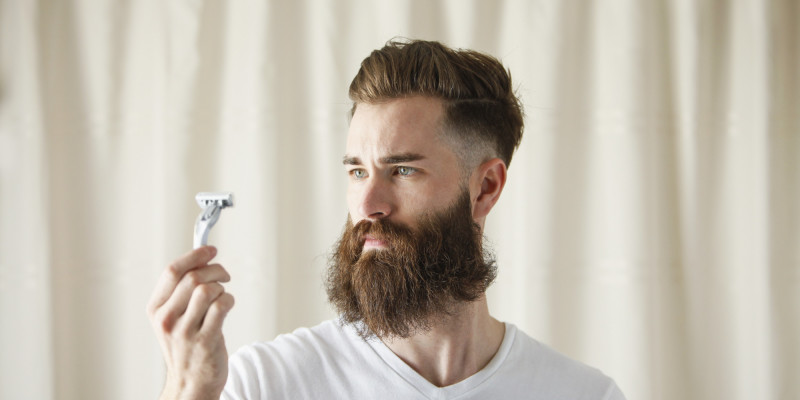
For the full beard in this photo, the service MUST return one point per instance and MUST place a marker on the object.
(422, 276)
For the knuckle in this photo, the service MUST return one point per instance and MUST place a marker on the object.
(165, 320)
(217, 310)
(194, 278)
(173, 271)
(150, 309)
(209, 291)
(204, 291)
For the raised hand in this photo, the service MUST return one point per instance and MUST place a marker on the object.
(187, 310)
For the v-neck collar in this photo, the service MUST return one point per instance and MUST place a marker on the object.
(455, 390)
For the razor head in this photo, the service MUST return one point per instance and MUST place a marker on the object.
(219, 199)
(212, 204)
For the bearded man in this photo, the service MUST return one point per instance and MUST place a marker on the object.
(431, 136)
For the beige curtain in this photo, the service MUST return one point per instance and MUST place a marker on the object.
(650, 226)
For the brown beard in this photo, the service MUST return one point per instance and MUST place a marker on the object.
(422, 275)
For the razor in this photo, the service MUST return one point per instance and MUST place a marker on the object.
(212, 204)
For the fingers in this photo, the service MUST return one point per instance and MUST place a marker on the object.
(173, 274)
(216, 314)
(192, 281)
(202, 297)
(189, 299)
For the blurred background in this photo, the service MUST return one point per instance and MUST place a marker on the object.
(649, 227)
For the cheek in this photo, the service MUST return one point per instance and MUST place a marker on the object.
(435, 197)
(418, 200)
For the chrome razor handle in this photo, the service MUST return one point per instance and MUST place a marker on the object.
(212, 204)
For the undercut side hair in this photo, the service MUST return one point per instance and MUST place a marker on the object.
(481, 110)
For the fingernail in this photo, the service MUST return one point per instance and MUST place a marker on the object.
(212, 251)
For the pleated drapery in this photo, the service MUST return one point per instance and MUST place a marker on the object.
(649, 227)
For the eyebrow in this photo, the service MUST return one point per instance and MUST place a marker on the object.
(390, 159)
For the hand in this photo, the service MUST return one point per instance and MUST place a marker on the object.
(187, 309)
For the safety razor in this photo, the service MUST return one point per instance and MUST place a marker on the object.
(212, 204)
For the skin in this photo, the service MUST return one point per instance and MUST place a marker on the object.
(187, 309)
(399, 167)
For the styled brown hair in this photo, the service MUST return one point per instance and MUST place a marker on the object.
(480, 108)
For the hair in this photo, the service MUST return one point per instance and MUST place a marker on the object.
(481, 110)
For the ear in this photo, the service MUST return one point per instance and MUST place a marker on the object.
(486, 184)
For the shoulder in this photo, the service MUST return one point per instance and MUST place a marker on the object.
(300, 346)
(555, 373)
(284, 366)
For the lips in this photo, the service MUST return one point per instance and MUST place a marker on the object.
(372, 242)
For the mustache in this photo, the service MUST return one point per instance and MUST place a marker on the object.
(384, 230)
(424, 274)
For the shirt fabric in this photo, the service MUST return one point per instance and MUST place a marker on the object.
(330, 361)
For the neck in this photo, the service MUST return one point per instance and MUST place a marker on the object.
(454, 349)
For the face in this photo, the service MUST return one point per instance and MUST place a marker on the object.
(398, 166)
(411, 252)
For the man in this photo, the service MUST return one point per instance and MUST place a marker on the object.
(431, 136)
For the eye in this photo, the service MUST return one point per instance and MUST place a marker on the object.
(405, 171)
(358, 173)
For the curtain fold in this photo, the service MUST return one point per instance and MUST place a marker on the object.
(649, 227)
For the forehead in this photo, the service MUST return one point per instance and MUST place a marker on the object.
(401, 125)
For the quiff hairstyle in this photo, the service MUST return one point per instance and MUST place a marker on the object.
(481, 110)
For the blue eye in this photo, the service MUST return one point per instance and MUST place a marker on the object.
(358, 173)
(405, 171)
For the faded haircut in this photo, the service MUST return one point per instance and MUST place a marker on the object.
(481, 111)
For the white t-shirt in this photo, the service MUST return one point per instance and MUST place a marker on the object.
(330, 361)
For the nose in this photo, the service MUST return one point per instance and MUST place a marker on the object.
(374, 200)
